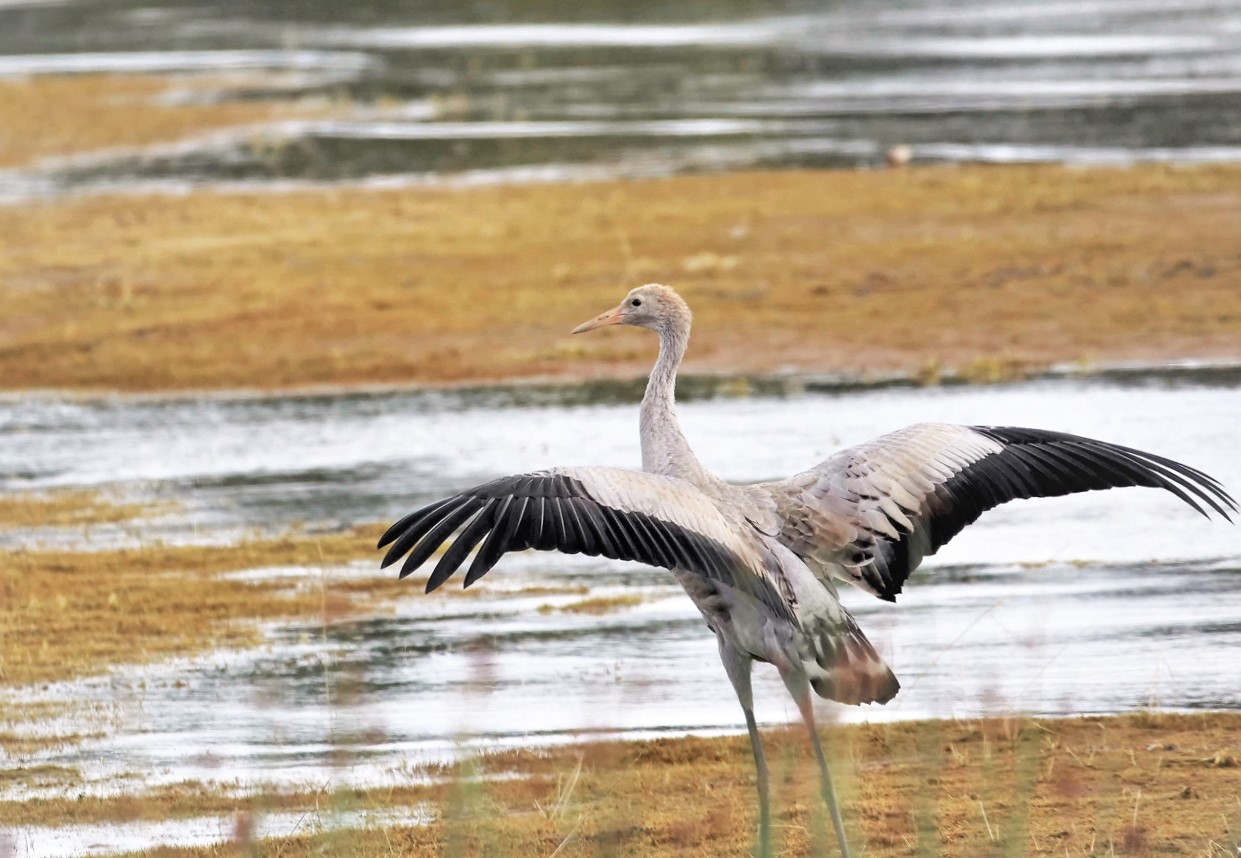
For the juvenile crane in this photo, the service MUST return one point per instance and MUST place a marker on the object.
(761, 561)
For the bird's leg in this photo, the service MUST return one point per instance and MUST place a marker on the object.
(738, 665)
(829, 793)
(799, 687)
(760, 766)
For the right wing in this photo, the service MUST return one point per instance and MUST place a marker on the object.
(873, 511)
(625, 515)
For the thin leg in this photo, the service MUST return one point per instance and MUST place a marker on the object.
(800, 689)
(764, 806)
(738, 667)
(829, 792)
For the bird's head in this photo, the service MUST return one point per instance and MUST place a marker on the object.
(652, 306)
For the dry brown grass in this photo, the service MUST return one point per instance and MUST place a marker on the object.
(1094, 786)
(982, 268)
(70, 507)
(46, 116)
(596, 604)
(67, 613)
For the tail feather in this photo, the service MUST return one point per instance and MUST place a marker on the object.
(842, 665)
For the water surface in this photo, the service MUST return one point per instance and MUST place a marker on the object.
(535, 91)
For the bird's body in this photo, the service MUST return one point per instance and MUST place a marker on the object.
(760, 561)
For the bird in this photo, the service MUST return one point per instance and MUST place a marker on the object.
(762, 561)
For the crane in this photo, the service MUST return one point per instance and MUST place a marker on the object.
(761, 561)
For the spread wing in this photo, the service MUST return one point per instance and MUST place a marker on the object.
(609, 512)
(870, 513)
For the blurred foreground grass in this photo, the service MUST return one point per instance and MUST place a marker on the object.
(1139, 785)
(986, 270)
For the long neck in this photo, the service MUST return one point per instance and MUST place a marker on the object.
(664, 448)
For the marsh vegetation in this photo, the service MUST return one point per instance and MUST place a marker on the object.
(198, 655)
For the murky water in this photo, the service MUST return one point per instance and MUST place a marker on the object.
(530, 91)
(1095, 603)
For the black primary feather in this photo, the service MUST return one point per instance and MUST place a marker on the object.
(1034, 463)
(550, 511)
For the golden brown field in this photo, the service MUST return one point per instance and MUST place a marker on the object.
(981, 269)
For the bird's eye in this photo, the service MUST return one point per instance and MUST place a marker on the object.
(636, 302)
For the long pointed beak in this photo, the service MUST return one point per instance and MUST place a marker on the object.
(611, 317)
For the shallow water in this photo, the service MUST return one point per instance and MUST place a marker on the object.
(531, 91)
(251, 461)
(1094, 603)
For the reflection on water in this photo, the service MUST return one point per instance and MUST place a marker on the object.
(535, 90)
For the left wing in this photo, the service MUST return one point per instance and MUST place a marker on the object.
(625, 515)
